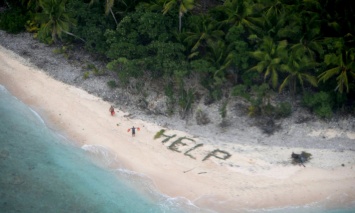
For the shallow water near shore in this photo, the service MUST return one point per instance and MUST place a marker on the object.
(41, 171)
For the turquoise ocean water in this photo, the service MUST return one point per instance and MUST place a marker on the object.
(41, 171)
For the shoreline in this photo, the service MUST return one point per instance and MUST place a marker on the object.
(253, 177)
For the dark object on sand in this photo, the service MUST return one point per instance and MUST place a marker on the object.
(300, 158)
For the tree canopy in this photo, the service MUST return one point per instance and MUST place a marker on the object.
(292, 46)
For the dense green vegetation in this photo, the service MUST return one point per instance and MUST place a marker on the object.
(245, 48)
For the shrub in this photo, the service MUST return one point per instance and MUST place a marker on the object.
(283, 109)
(241, 90)
(324, 111)
(169, 92)
(223, 110)
(112, 84)
(202, 117)
(258, 98)
(64, 50)
(216, 93)
(269, 126)
(86, 75)
(13, 20)
(320, 103)
(186, 98)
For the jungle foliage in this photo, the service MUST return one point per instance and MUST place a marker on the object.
(304, 48)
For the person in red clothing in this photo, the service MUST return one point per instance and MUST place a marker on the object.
(112, 110)
(133, 130)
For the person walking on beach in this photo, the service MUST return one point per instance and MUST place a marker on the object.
(133, 130)
(112, 110)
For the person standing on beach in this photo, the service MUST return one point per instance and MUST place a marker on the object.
(112, 110)
(133, 131)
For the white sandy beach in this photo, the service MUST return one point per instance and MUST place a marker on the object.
(252, 177)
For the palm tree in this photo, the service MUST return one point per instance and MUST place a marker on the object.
(108, 7)
(238, 13)
(297, 69)
(274, 7)
(109, 4)
(54, 20)
(204, 32)
(280, 25)
(220, 56)
(270, 57)
(344, 68)
(31, 3)
(184, 7)
(309, 39)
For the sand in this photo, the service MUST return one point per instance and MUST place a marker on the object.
(253, 176)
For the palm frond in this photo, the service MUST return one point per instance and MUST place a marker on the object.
(343, 81)
(284, 83)
(311, 79)
(328, 74)
(108, 6)
(274, 78)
